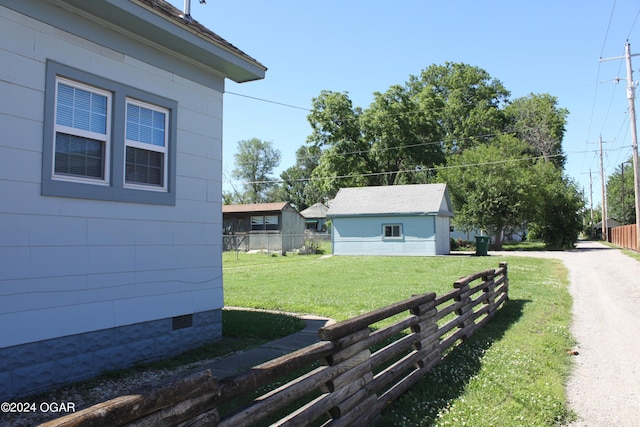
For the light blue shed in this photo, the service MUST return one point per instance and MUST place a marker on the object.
(403, 220)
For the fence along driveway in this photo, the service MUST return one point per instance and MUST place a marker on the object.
(347, 378)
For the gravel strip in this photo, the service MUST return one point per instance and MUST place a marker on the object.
(604, 388)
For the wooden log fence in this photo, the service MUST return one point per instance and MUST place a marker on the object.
(346, 379)
(625, 236)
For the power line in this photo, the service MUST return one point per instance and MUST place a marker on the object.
(613, 8)
(387, 114)
(418, 170)
(268, 101)
(634, 24)
(595, 92)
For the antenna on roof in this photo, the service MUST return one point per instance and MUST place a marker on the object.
(187, 8)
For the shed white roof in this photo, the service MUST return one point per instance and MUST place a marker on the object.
(416, 199)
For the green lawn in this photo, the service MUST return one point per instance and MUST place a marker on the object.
(512, 372)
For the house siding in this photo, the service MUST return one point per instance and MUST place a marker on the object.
(74, 269)
(443, 241)
(363, 236)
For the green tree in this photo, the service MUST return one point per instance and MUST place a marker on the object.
(491, 187)
(557, 218)
(400, 135)
(255, 162)
(464, 100)
(621, 193)
(538, 121)
(406, 130)
(336, 130)
(297, 186)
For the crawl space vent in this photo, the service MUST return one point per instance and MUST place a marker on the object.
(181, 322)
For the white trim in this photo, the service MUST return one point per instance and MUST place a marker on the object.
(104, 138)
(149, 147)
(400, 235)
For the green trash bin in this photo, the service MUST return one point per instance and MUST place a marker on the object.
(482, 245)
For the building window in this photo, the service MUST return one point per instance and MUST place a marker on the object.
(146, 142)
(81, 132)
(107, 141)
(392, 231)
(264, 222)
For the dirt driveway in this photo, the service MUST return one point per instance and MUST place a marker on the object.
(604, 389)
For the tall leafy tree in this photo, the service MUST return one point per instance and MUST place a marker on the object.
(621, 194)
(255, 161)
(336, 130)
(557, 217)
(401, 136)
(464, 100)
(538, 120)
(298, 187)
(491, 187)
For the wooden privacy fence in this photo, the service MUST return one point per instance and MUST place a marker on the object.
(625, 236)
(346, 379)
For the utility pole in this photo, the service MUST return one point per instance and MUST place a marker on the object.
(591, 202)
(624, 214)
(634, 136)
(605, 237)
(591, 224)
(631, 94)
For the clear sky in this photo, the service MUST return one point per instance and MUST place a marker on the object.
(361, 47)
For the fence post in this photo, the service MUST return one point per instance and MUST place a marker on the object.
(427, 330)
(465, 303)
(350, 349)
(490, 289)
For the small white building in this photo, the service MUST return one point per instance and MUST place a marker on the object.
(111, 186)
(407, 220)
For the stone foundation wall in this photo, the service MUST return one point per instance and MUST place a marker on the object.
(35, 367)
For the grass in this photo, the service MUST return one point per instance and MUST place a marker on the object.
(628, 252)
(512, 372)
(524, 246)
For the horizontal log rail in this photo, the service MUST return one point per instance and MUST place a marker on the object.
(346, 379)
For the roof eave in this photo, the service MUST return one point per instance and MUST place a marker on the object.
(137, 17)
(369, 214)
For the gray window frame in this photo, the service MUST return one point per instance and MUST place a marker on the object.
(115, 189)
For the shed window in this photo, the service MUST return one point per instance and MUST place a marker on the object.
(264, 222)
(392, 231)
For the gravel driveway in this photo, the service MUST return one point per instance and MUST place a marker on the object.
(604, 389)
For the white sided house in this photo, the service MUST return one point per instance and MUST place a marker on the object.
(110, 185)
(405, 220)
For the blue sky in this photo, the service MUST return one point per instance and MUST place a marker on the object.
(361, 47)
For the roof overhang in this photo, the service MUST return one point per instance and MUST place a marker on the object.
(177, 35)
(168, 31)
(388, 214)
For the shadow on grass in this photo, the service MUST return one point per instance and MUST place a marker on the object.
(447, 382)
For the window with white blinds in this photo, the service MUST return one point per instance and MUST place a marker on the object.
(146, 142)
(105, 140)
(81, 132)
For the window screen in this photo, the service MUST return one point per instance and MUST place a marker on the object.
(146, 140)
(81, 131)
